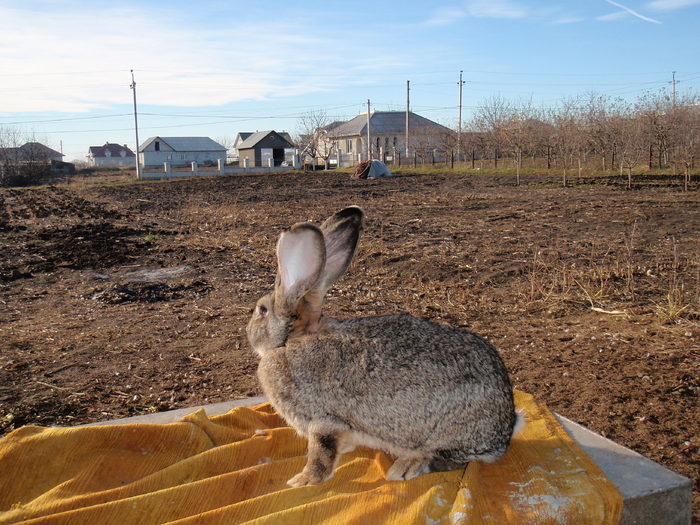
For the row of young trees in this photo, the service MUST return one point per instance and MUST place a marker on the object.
(591, 132)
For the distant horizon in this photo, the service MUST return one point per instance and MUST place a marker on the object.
(216, 70)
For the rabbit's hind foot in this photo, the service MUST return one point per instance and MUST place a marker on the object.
(407, 468)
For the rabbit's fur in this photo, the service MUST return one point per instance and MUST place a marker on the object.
(434, 396)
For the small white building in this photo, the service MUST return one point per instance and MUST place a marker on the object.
(180, 151)
(111, 155)
(240, 139)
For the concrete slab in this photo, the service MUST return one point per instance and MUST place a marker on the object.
(652, 494)
(172, 416)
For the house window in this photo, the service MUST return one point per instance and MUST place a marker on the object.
(348, 145)
(157, 145)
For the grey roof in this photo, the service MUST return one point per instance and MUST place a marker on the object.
(334, 125)
(384, 122)
(30, 151)
(256, 137)
(115, 150)
(187, 143)
(244, 135)
(286, 136)
(39, 149)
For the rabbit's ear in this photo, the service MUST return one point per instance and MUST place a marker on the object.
(341, 233)
(301, 257)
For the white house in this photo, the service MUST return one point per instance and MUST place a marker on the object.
(240, 139)
(387, 133)
(180, 151)
(110, 155)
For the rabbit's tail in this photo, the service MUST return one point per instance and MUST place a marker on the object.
(520, 423)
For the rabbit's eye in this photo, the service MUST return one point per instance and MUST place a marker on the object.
(262, 309)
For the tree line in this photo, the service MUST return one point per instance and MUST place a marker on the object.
(588, 132)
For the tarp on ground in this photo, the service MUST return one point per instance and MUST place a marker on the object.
(378, 170)
(375, 169)
(233, 468)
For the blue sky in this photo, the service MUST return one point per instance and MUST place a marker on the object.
(215, 68)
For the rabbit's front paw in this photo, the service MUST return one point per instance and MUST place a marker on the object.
(304, 478)
(408, 468)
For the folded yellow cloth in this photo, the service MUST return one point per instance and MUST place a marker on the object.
(233, 468)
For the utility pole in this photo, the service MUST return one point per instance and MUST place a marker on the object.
(408, 105)
(369, 138)
(136, 127)
(673, 90)
(459, 117)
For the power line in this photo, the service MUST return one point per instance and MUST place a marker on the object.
(63, 119)
(340, 77)
(237, 119)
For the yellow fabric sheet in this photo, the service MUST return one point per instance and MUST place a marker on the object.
(233, 468)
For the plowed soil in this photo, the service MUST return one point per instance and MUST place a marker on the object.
(121, 298)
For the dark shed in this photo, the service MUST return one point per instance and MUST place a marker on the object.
(252, 148)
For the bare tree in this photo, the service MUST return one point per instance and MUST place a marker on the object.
(434, 144)
(685, 135)
(446, 140)
(312, 138)
(22, 159)
(227, 142)
(541, 140)
(655, 111)
(630, 140)
(597, 112)
(10, 140)
(475, 141)
(518, 132)
(568, 139)
(490, 118)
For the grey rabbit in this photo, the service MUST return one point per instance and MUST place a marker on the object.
(433, 396)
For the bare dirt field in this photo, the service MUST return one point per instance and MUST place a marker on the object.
(591, 293)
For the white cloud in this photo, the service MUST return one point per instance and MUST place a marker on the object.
(495, 9)
(74, 60)
(568, 20)
(446, 15)
(503, 9)
(632, 12)
(611, 17)
(670, 5)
